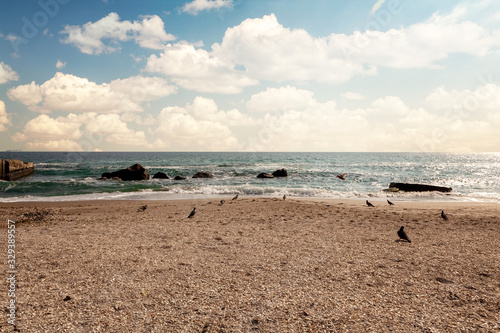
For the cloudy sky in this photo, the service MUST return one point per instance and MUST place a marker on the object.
(250, 75)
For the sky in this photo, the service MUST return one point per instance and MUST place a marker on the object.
(243, 75)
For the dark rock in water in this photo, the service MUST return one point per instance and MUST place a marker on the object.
(134, 172)
(265, 175)
(179, 178)
(160, 175)
(203, 175)
(280, 173)
(419, 187)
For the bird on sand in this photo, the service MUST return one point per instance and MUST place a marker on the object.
(142, 208)
(402, 235)
(443, 215)
(284, 196)
(192, 213)
(390, 203)
(369, 204)
(222, 201)
(342, 176)
(235, 197)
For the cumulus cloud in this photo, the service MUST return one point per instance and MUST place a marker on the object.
(420, 45)
(197, 126)
(148, 33)
(387, 124)
(262, 49)
(4, 117)
(69, 132)
(46, 129)
(7, 73)
(70, 93)
(197, 69)
(485, 98)
(281, 99)
(196, 6)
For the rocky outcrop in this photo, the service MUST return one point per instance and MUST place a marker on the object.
(14, 169)
(280, 173)
(179, 178)
(265, 175)
(203, 175)
(160, 175)
(134, 172)
(408, 187)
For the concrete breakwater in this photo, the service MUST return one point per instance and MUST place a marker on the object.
(14, 169)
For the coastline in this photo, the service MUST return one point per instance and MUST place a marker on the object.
(255, 263)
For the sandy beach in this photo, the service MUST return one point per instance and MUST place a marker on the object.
(253, 265)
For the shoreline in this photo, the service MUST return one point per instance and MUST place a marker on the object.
(254, 264)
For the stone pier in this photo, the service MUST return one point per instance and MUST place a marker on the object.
(14, 169)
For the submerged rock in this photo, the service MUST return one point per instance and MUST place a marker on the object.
(160, 175)
(265, 175)
(408, 187)
(179, 178)
(134, 172)
(203, 175)
(280, 173)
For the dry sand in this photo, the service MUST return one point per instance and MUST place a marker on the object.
(254, 265)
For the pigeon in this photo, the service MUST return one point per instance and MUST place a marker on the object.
(142, 208)
(222, 201)
(192, 213)
(342, 176)
(443, 215)
(369, 204)
(390, 203)
(235, 197)
(284, 196)
(402, 234)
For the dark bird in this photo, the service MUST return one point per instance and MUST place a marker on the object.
(443, 215)
(222, 201)
(284, 196)
(390, 203)
(235, 197)
(342, 176)
(142, 208)
(192, 213)
(402, 234)
(369, 204)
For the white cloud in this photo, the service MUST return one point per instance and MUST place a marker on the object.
(262, 49)
(7, 74)
(113, 129)
(70, 93)
(45, 129)
(485, 98)
(199, 70)
(198, 126)
(388, 124)
(60, 64)
(4, 117)
(281, 99)
(272, 52)
(64, 133)
(420, 45)
(148, 33)
(196, 6)
(352, 96)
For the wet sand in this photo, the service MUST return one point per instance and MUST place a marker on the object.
(254, 265)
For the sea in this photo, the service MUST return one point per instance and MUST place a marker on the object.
(68, 176)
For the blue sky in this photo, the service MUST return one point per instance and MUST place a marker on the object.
(236, 75)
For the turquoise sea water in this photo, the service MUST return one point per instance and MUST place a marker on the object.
(73, 176)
